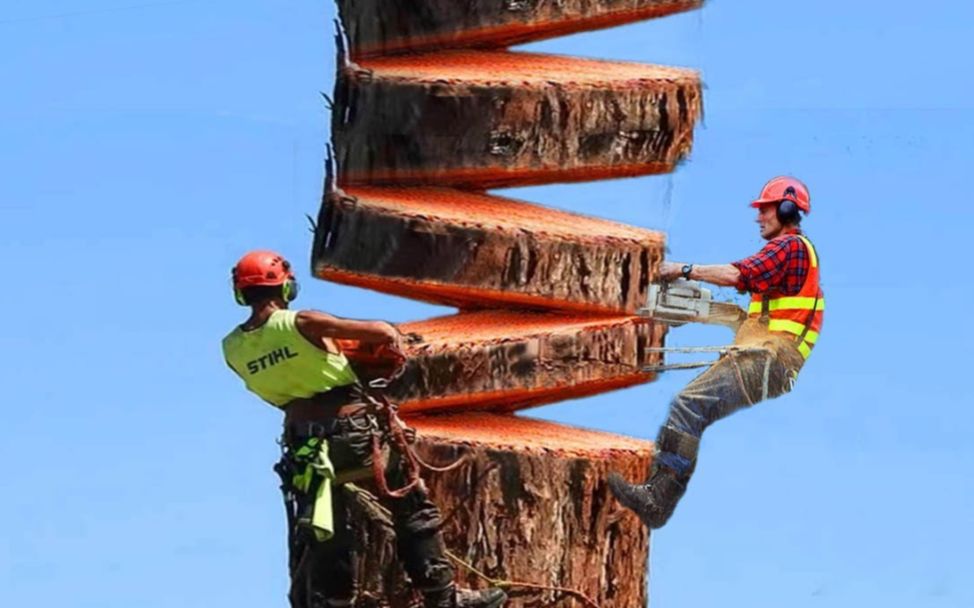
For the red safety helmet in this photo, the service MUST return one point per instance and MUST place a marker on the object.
(263, 268)
(784, 188)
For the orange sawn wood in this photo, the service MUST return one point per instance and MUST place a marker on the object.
(429, 25)
(506, 360)
(472, 250)
(524, 118)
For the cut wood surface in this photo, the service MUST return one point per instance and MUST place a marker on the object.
(507, 360)
(477, 119)
(476, 251)
(382, 26)
(528, 503)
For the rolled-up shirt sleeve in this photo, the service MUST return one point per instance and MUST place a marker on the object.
(781, 265)
(763, 271)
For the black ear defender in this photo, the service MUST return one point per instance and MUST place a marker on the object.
(788, 212)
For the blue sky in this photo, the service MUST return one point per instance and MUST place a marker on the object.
(146, 145)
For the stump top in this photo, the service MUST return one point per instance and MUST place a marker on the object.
(506, 431)
(518, 69)
(497, 213)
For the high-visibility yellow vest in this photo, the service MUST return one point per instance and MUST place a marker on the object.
(800, 315)
(280, 365)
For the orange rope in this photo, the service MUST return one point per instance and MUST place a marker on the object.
(396, 431)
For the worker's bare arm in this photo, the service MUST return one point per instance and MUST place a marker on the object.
(718, 274)
(315, 326)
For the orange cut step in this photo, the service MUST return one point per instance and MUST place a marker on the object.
(510, 360)
(523, 434)
(472, 250)
(482, 119)
(376, 27)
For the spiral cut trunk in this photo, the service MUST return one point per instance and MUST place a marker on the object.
(382, 26)
(508, 360)
(528, 503)
(486, 119)
(476, 251)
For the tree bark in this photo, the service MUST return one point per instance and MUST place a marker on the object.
(381, 27)
(477, 251)
(508, 360)
(479, 120)
(529, 503)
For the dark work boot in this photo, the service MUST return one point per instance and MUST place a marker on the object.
(452, 597)
(673, 464)
(653, 501)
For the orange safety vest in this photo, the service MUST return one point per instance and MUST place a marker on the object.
(800, 315)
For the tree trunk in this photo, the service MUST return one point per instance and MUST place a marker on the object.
(477, 251)
(529, 503)
(488, 119)
(381, 26)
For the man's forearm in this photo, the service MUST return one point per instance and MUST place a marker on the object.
(367, 331)
(316, 325)
(718, 274)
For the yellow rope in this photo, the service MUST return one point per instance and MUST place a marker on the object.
(506, 583)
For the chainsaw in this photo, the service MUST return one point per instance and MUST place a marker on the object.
(682, 301)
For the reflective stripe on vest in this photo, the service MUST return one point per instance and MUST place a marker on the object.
(787, 303)
(799, 315)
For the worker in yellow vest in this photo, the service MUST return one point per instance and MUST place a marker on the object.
(291, 360)
(784, 320)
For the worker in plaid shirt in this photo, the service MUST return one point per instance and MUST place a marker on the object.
(782, 326)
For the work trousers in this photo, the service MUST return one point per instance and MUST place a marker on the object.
(737, 380)
(323, 573)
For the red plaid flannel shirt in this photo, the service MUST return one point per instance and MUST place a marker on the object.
(780, 266)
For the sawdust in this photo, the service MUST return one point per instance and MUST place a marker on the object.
(753, 332)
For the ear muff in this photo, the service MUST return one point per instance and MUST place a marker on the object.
(290, 289)
(788, 212)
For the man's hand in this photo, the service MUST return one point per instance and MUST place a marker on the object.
(392, 335)
(669, 271)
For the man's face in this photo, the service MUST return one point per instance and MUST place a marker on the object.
(768, 221)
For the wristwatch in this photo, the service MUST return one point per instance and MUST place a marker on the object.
(686, 270)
